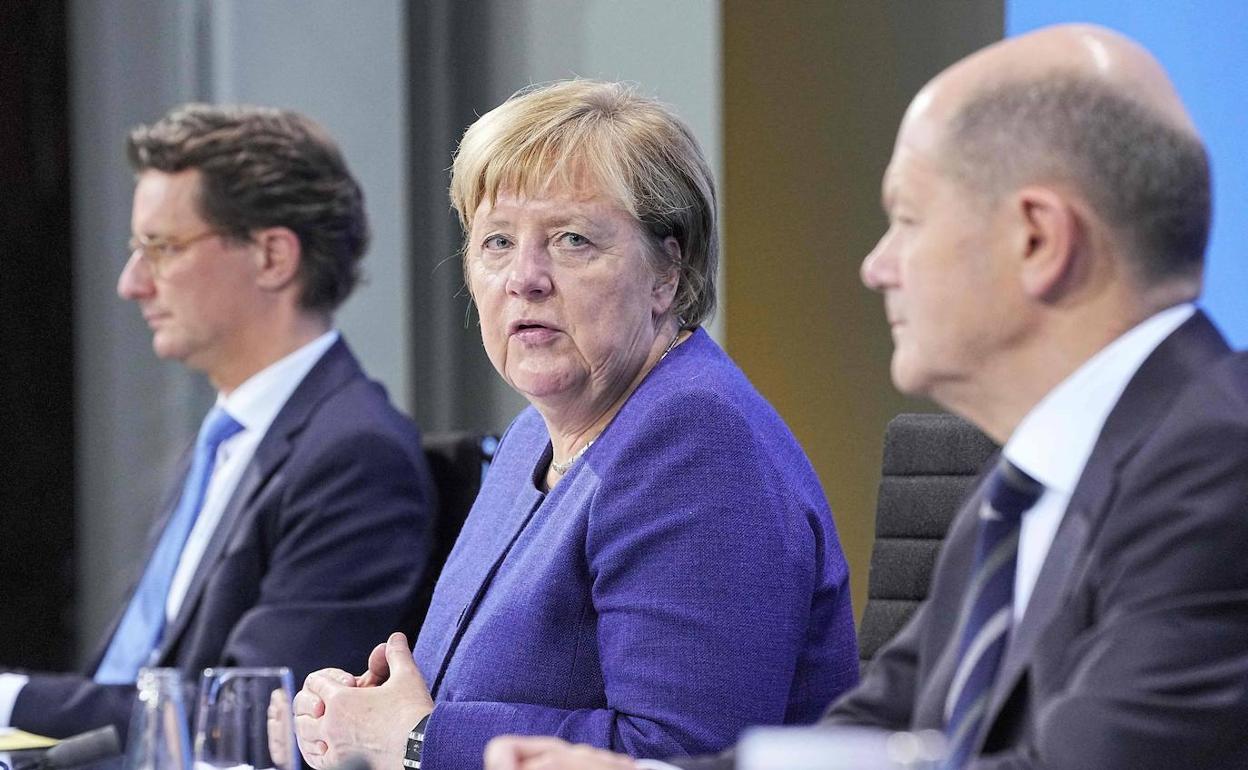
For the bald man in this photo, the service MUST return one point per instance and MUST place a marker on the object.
(1048, 204)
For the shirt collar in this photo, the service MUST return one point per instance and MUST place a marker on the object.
(1054, 440)
(257, 401)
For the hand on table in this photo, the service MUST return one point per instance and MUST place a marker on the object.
(518, 752)
(338, 715)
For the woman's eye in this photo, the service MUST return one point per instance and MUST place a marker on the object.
(575, 240)
(496, 242)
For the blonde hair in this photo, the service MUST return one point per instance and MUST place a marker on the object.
(633, 147)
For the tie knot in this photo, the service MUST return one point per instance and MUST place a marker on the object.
(1011, 492)
(218, 426)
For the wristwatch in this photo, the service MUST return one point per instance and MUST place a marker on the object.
(416, 744)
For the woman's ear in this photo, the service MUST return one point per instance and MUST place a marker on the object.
(666, 281)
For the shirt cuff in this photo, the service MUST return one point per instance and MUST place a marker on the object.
(10, 686)
(654, 764)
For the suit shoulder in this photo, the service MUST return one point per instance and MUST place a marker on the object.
(1213, 406)
(361, 406)
(1191, 471)
(1225, 385)
(704, 389)
(354, 425)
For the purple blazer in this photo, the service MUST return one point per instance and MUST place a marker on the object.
(683, 581)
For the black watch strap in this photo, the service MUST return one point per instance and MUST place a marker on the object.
(416, 744)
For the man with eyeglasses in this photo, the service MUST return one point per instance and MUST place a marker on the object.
(298, 530)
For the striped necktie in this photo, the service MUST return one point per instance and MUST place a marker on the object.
(988, 611)
(143, 623)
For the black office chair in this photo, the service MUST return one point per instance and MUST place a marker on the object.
(458, 462)
(930, 463)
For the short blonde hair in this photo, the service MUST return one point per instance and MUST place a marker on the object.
(634, 147)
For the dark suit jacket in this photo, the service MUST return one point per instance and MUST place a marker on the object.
(319, 554)
(1133, 650)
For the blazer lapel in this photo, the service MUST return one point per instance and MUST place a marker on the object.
(483, 567)
(331, 372)
(254, 477)
(1160, 379)
(1065, 552)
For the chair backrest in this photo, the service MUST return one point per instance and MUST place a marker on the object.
(930, 463)
(458, 462)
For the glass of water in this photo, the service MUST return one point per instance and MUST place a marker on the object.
(158, 737)
(244, 720)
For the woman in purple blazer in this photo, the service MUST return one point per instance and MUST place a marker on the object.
(651, 564)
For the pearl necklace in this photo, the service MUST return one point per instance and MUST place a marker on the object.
(562, 468)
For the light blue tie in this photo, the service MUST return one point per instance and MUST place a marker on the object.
(141, 626)
(989, 609)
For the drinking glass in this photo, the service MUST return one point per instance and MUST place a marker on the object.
(235, 726)
(158, 738)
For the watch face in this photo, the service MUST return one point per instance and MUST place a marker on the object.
(415, 744)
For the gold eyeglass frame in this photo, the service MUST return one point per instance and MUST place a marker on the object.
(157, 252)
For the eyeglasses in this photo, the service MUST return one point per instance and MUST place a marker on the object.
(157, 252)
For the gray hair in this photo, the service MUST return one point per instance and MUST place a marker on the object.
(1147, 178)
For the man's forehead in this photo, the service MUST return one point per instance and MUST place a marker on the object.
(162, 198)
(152, 182)
(915, 160)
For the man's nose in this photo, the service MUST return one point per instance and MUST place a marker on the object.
(135, 281)
(879, 267)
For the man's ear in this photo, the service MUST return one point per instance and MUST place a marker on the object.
(279, 256)
(665, 283)
(1047, 240)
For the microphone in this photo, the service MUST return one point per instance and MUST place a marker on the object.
(82, 749)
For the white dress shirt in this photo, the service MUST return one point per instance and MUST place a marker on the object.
(254, 404)
(1054, 440)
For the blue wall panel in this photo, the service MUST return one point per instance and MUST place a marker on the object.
(1204, 46)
